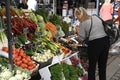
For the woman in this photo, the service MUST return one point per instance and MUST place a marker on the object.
(106, 12)
(98, 45)
(23, 5)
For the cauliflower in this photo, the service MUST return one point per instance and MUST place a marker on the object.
(6, 74)
(18, 71)
(25, 75)
(19, 77)
(13, 78)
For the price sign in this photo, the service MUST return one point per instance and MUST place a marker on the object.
(15, 39)
(39, 33)
(25, 30)
(57, 52)
(38, 43)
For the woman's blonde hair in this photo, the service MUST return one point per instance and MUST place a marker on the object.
(82, 12)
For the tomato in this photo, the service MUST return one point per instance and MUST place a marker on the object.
(18, 63)
(34, 65)
(30, 67)
(18, 58)
(21, 51)
(24, 56)
(21, 54)
(23, 65)
(24, 61)
(28, 58)
(17, 50)
(15, 55)
(30, 63)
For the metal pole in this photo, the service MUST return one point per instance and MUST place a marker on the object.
(54, 7)
(9, 34)
(97, 7)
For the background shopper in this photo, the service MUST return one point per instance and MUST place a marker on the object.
(118, 18)
(106, 12)
(98, 45)
(23, 5)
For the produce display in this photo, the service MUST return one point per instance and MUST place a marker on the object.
(33, 43)
(72, 73)
(2, 33)
(21, 59)
(16, 74)
(40, 58)
(69, 72)
(56, 72)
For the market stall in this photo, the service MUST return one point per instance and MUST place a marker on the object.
(35, 41)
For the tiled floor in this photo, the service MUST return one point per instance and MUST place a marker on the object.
(113, 68)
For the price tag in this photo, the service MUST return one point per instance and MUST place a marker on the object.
(15, 39)
(38, 43)
(39, 33)
(25, 30)
(57, 52)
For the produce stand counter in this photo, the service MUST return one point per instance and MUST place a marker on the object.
(32, 40)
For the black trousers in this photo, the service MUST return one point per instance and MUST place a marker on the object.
(98, 53)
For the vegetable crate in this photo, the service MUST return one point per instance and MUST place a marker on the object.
(60, 68)
(35, 70)
(84, 61)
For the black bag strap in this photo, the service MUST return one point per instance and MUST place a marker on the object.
(99, 18)
(89, 30)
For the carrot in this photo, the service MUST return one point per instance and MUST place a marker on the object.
(50, 26)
